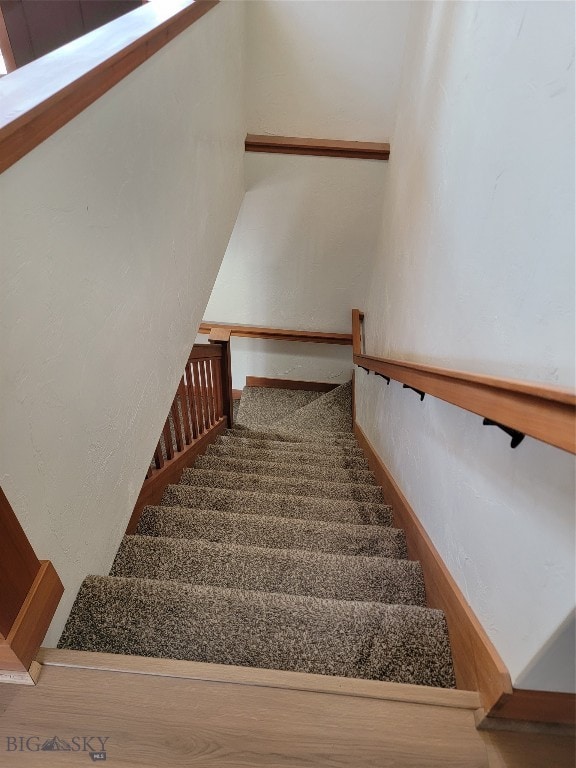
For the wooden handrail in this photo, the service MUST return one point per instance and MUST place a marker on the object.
(278, 334)
(30, 591)
(292, 145)
(38, 99)
(542, 411)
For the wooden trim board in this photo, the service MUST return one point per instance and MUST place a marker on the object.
(308, 386)
(153, 488)
(534, 706)
(477, 663)
(269, 678)
(278, 334)
(21, 644)
(48, 93)
(292, 145)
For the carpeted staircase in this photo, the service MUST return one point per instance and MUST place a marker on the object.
(276, 550)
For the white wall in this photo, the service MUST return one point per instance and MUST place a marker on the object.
(475, 271)
(112, 232)
(324, 69)
(308, 226)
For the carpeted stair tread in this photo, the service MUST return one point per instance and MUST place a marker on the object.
(262, 503)
(295, 486)
(290, 571)
(336, 438)
(298, 446)
(281, 469)
(318, 458)
(327, 414)
(260, 406)
(269, 531)
(167, 619)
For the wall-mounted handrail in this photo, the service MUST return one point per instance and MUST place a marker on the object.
(38, 99)
(200, 410)
(278, 334)
(542, 411)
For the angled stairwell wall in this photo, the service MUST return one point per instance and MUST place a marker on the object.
(475, 271)
(308, 226)
(112, 232)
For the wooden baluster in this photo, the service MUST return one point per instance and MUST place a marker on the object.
(198, 397)
(192, 400)
(168, 442)
(158, 457)
(177, 421)
(204, 395)
(185, 409)
(218, 387)
(211, 390)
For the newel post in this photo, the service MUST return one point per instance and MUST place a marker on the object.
(221, 336)
(30, 591)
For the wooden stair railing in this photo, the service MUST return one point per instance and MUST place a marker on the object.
(30, 591)
(542, 411)
(200, 411)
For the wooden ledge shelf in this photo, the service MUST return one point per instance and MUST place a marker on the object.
(38, 99)
(292, 145)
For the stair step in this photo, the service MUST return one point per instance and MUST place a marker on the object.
(281, 505)
(268, 531)
(288, 457)
(281, 469)
(351, 449)
(333, 438)
(294, 486)
(167, 619)
(290, 571)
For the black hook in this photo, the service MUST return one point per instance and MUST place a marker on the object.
(364, 369)
(419, 391)
(384, 377)
(516, 436)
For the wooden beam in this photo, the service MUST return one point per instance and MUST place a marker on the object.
(47, 94)
(278, 334)
(292, 145)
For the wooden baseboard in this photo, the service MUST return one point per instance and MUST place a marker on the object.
(18, 649)
(153, 488)
(477, 663)
(534, 706)
(309, 386)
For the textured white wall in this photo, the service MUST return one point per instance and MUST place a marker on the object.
(324, 69)
(475, 271)
(112, 232)
(308, 226)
